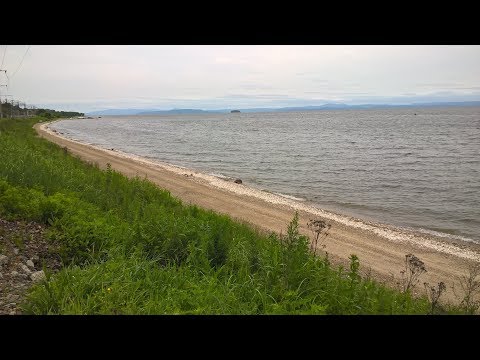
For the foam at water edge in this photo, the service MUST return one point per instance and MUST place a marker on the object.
(445, 235)
(221, 176)
(290, 197)
(388, 232)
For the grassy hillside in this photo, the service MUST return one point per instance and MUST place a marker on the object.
(129, 247)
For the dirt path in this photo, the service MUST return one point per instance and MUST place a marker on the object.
(382, 257)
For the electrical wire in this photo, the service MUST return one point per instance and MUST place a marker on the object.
(4, 52)
(21, 62)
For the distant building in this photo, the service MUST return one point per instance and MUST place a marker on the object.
(235, 111)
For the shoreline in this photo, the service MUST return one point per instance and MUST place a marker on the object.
(421, 237)
(380, 247)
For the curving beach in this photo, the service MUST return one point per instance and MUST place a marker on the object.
(381, 248)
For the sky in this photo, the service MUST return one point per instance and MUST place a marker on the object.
(97, 77)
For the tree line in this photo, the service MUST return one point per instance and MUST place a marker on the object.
(15, 110)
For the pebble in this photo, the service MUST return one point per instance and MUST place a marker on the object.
(12, 297)
(18, 267)
(25, 269)
(37, 276)
(16, 274)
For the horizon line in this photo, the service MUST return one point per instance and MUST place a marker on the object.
(429, 103)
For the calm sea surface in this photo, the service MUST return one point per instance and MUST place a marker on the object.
(392, 166)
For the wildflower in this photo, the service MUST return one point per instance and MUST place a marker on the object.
(414, 267)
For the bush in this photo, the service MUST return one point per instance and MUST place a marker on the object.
(17, 202)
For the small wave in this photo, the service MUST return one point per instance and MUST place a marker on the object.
(392, 186)
(446, 235)
(220, 176)
(289, 196)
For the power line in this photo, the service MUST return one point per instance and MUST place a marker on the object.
(1, 66)
(21, 62)
(4, 52)
(17, 104)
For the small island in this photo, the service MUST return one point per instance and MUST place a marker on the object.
(235, 111)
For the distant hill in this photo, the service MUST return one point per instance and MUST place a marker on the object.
(174, 111)
(340, 106)
(117, 112)
(333, 106)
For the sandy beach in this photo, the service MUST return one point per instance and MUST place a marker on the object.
(381, 248)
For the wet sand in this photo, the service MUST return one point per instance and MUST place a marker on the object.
(381, 248)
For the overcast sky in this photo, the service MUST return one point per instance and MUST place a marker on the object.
(88, 78)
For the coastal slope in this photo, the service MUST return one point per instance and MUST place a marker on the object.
(381, 250)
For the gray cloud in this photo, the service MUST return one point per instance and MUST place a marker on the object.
(319, 81)
(439, 85)
(88, 77)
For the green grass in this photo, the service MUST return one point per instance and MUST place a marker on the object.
(131, 248)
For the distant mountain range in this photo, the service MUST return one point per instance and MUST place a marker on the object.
(333, 106)
(175, 111)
